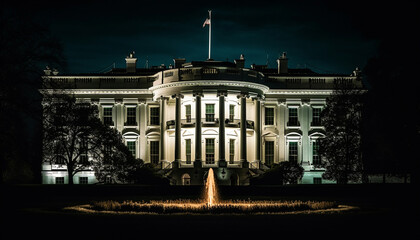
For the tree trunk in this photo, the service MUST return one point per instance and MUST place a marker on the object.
(70, 174)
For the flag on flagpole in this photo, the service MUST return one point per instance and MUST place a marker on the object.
(207, 22)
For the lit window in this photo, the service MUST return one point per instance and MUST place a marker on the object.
(231, 151)
(269, 152)
(108, 116)
(316, 159)
(210, 151)
(269, 116)
(316, 116)
(131, 116)
(188, 150)
(188, 113)
(154, 152)
(59, 180)
(293, 151)
(231, 112)
(154, 116)
(209, 112)
(293, 117)
(317, 180)
(83, 180)
(132, 147)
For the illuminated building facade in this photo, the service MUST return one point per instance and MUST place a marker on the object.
(198, 115)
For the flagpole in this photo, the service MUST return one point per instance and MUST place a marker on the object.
(210, 34)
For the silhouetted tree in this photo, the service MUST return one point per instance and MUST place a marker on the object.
(25, 49)
(74, 137)
(341, 147)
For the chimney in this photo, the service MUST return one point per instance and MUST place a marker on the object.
(282, 65)
(131, 63)
(240, 63)
(178, 62)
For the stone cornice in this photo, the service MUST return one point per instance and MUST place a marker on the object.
(299, 92)
(211, 83)
(101, 91)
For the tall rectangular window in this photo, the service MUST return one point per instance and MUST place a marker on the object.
(269, 116)
(232, 151)
(316, 116)
(209, 112)
(108, 116)
(154, 152)
(131, 116)
(293, 151)
(210, 151)
(231, 112)
(154, 116)
(132, 147)
(188, 113)
(316, 159)
(188, 150)
(269, 152)
(293, 117)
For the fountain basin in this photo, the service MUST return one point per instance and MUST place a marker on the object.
(223, 207)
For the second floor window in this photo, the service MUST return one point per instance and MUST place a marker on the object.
(293, 117)
(131, 116)
(209, 112)
(269, 116)
(188, 113)
(316, 116)
(231, 112)
(108, 116)
(154, 116)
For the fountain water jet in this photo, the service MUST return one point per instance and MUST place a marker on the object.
(211, 190)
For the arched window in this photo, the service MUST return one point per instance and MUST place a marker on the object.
(186, 179)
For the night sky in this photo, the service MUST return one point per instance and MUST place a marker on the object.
(326, 37)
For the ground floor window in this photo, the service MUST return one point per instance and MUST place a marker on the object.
(231, 151)
(83, 180)
(269, 152)
(154, 152)
(59, 180)
(132, 147)
(210, 151)
(316, 159)
(317, 180)
(188, 151)
(293, 151)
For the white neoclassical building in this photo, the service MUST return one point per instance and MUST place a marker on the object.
(198, 115)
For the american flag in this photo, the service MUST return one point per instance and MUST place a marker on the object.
(207, 22)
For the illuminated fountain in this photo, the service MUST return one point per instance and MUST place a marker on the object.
(211, 191)
(211, 204)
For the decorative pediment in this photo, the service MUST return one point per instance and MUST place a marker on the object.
(269, 134)
(315, 133)
(210, 132)
(293, 132)
(186, 133)
(130, 131)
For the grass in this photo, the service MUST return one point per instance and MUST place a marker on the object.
(198, 207)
